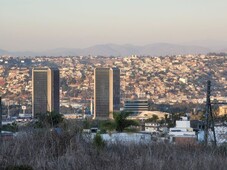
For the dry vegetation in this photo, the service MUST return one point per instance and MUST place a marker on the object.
(43, 149)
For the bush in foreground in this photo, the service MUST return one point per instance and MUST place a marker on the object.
(44, 150)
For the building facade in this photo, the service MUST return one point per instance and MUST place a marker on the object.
(136, 106)
(116, 89)
(106, 92)
(222, 110)
(45, 90)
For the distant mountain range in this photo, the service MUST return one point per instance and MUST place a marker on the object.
(158, 49)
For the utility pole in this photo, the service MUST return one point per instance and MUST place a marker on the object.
(209, 122)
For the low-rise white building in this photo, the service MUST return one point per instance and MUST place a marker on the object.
(152, 127)
(182, 131)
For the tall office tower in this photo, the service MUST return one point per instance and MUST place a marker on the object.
(106, 92)
(116, 89)
(45, 90)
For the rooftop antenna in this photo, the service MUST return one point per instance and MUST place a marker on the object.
(209, 122)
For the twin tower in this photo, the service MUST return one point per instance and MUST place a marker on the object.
(45, 91)
(106, 92)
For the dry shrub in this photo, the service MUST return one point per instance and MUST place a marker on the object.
(43, 149)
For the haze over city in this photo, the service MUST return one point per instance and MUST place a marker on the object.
(113, 84)
(48, 24)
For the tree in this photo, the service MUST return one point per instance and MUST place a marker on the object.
(54, 118)
(172, 122)
(49, 119)
(98, 142)
(154, 118)
(10, 127)
(108, 126)
(122, 122)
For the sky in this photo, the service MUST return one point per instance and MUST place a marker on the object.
(48, 24)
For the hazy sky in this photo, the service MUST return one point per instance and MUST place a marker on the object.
(47, 24)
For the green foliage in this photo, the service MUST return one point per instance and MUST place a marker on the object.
(10, 127)
(108, 125)
(172, 122)
(49, 119)
(131, 130)
(162, 121)
(154, 118)
(98, 142)
(122, 122)
(54, 118)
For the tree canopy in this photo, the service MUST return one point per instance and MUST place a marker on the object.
(49, 119)
(121, 121)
